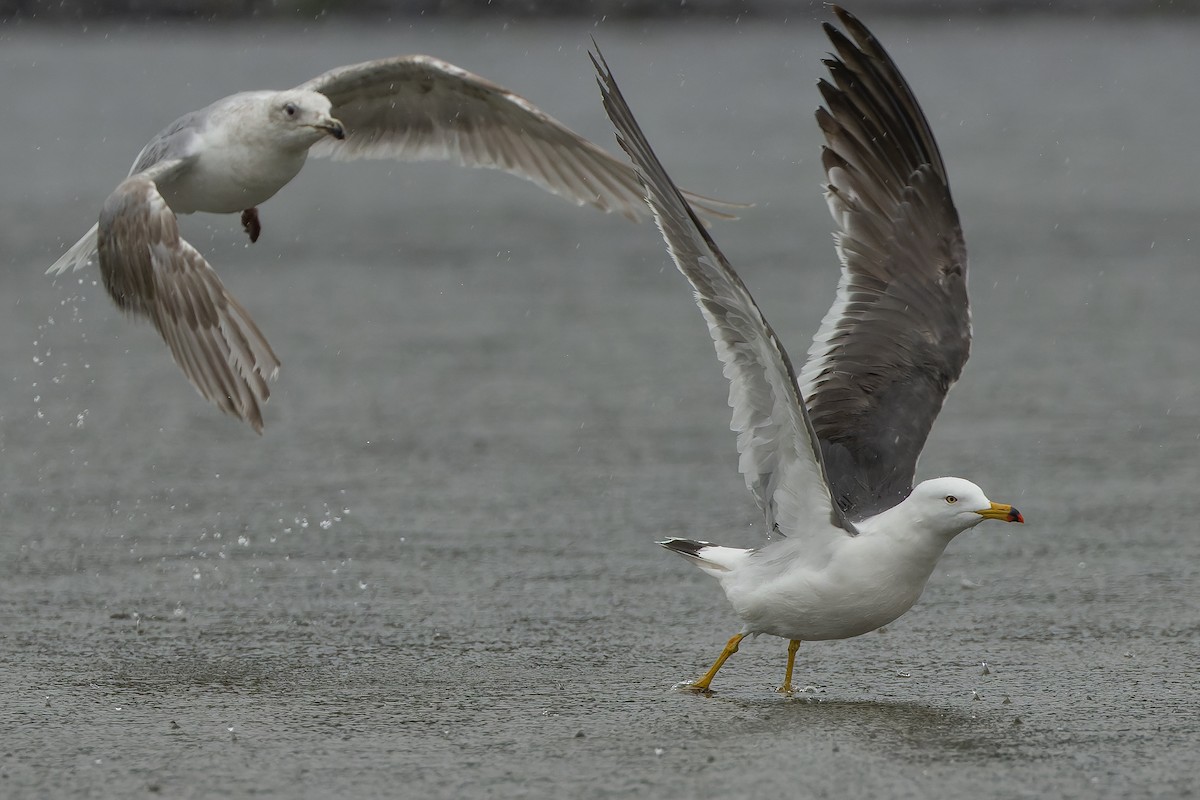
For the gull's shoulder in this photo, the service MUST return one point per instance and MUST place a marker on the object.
(179, 141)
(189, 134)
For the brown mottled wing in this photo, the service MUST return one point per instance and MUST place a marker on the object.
(417, 108)
(899, 330)
(151, 272)
(172, 151)
(780, 459)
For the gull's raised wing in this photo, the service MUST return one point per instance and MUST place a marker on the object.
(780, 459)
(899, 330)
(418, 108)
(150, 271)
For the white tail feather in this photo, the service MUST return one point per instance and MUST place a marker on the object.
(79, 256)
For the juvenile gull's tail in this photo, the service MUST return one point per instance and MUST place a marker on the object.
(79, 256)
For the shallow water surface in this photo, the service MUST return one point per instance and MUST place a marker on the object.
(435, 575)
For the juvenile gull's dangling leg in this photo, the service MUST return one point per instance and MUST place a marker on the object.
(251, 224)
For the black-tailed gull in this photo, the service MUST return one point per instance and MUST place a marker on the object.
(830, 454)
(242, 149)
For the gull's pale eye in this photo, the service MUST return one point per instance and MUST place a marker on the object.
(290, 109)
(951, 499)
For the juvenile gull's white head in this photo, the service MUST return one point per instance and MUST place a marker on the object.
(302, 117)
(290, 121)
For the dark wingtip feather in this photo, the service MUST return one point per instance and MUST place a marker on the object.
(854, 25)
(685, 547)
(902, 241)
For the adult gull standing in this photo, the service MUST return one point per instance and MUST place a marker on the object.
(830, 453)
(241, 150)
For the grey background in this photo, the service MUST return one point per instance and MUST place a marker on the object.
(435, 574)
(69, 12)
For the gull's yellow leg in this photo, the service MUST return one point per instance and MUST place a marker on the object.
(731, 647)
(793, 646)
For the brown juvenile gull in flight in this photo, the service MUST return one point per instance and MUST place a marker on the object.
(242, 149)
(830, 454)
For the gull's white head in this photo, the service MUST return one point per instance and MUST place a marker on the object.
(302, 117)
(950, 506)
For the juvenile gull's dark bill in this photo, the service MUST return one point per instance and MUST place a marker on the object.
(830, 454)
(238, 152)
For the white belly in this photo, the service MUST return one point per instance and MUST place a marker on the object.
(225, 180)
(865, 586)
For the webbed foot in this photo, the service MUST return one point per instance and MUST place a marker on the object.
(251, 224)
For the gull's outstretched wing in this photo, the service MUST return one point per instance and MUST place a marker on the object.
(780, 459)
(417, 108)
(150, 271)
(899, 330)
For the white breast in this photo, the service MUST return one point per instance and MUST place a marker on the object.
(865, 583)
(240, 162)
(225, 180)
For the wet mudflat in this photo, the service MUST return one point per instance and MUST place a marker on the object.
(435, 575)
